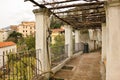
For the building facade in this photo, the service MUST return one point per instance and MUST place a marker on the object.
(4, 35)
(6, 48)
(56, 32)
(27, 28)
(14, 27)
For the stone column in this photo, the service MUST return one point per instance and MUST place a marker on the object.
(69, 39)
(42, 25)
(91, 34)
(77, 39)
(113, 53)
(103, 42)
(95, 38)
(99, 38)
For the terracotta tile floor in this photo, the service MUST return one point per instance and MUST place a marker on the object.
(86, 67)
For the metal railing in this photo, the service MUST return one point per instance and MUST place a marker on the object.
(19, 66)
(58, 54)
(25, 65)
(78, 47)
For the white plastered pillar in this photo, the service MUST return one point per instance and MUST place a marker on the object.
(104, 47)
(99, 38)
(69, 39)
(42, 24)
(95, 38)
(77, 39)
(113, 51)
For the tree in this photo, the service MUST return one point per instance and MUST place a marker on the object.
(30, 42)
(55, 23)
(14, 36)
(60, 40)
(58, 47)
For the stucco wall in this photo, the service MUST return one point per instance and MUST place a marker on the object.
(3, 35)
(6, 50)
(84, 37)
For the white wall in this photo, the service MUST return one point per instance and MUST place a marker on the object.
(3, 35)
(26, 29)
(113, 45)
(85, 38)
(6, 50)
(1, 39)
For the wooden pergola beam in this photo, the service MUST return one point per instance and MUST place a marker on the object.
(75, 20)
(77, 5)
(85, 15)
(59, 2)
(77, 10)
(43, 6)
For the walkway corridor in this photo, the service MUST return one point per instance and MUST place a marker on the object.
(85, 67)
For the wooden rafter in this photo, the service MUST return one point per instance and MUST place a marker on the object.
(82, 15)
(59, 2)
(81, 9)
(77, 5)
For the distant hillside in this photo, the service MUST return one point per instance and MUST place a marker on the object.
(8, 27)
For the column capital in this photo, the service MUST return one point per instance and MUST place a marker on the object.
(113, 3)
(42, 11)
(103, 24)
(68, 26)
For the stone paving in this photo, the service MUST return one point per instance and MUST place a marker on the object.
(85, 67)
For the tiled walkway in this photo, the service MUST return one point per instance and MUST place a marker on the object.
(86, 67)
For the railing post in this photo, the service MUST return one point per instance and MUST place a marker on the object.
(3, 66)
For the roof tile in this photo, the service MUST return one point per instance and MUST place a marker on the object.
(5, 44)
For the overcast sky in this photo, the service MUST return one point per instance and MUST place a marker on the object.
(12, 12)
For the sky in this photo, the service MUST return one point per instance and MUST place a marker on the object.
(13, 12)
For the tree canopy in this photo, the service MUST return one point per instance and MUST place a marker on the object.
(14, 36)
(55, 23)
(30, 42)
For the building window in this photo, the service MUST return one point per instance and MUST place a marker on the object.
(26, 30)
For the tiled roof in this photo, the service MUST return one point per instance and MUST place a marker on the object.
(14, 27)
(5, 44)
(57, 30)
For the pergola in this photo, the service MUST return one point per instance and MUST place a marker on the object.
(82, 14)
(77, 13)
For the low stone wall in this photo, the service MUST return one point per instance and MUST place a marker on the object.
(103, 71)
(58, 67)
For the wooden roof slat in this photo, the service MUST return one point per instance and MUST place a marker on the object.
(42, 6)
(59, 2)
(76, 10)
(75, 5)
(87, 14)
(86, 19)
